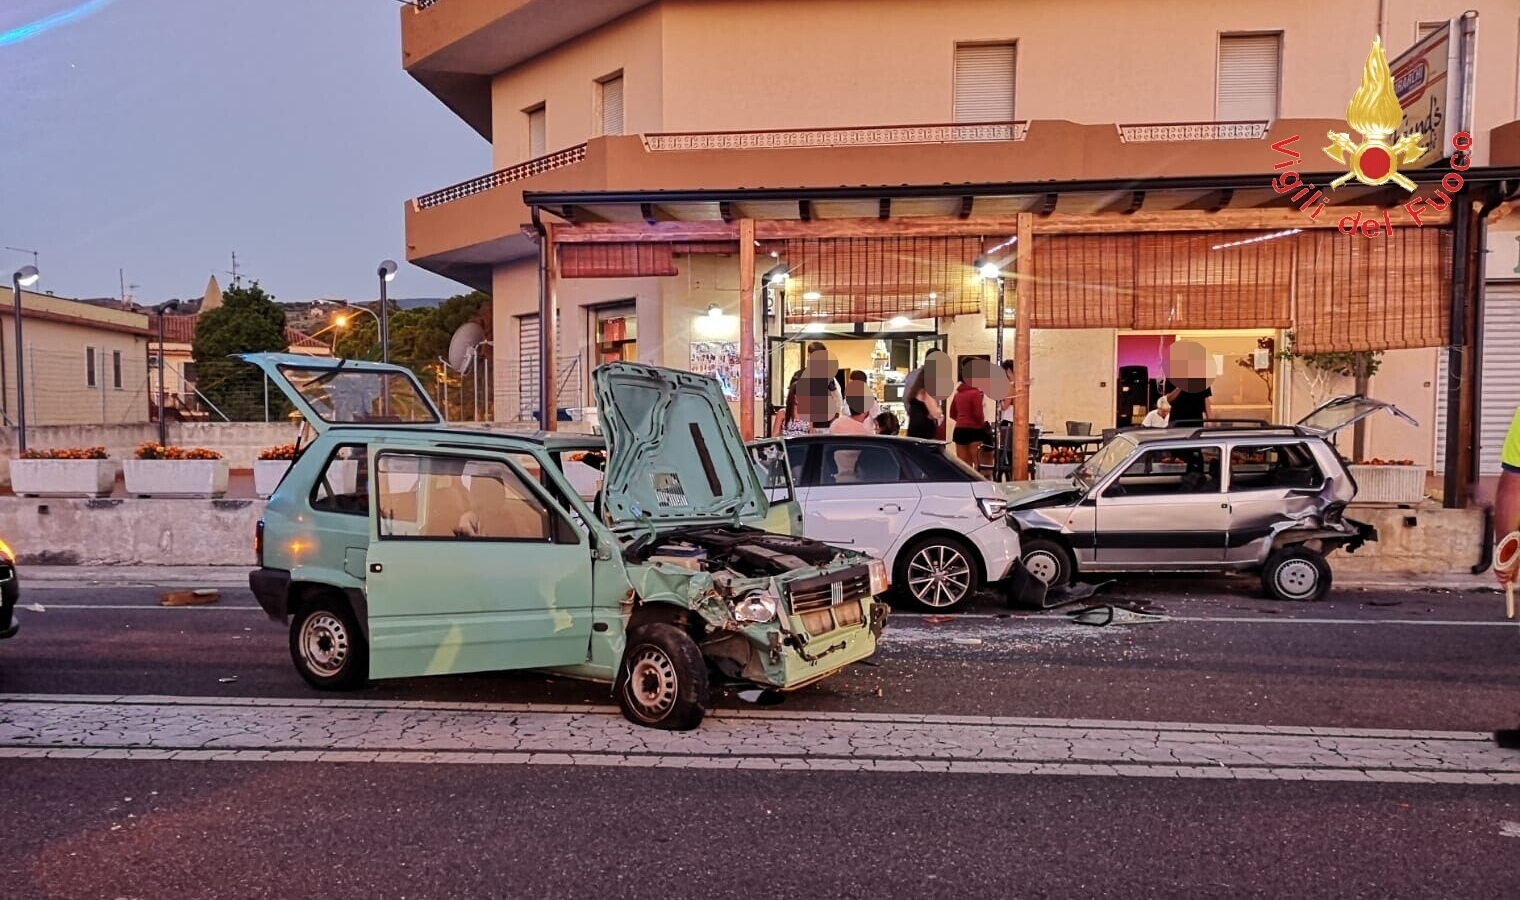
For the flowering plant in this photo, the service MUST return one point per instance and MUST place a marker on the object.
(67, 453)
(152, 450)
(284, 451)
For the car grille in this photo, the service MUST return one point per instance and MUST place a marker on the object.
(813, 600)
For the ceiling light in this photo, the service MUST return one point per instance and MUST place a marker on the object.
(713, 311)
(933, 296)
(898, 321)
(812, 295)
(813, 326)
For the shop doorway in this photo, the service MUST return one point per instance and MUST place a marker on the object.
(885, 358)
(1245, 386)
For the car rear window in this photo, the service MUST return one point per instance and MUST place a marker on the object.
(1273, 467)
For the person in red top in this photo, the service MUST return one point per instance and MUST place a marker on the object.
(970, 422)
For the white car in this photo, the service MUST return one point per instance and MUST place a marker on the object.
(939, 525)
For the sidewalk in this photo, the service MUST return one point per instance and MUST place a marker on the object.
(237, 576)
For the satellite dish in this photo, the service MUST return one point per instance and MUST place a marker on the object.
(462, 343)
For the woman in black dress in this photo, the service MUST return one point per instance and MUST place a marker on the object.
(923, 412)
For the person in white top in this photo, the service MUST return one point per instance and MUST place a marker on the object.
(1160, 417)
(872, 407)
(857, 422)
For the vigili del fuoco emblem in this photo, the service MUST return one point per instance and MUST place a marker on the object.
(1375, 114)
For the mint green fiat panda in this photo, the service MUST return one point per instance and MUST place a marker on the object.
(398, 546)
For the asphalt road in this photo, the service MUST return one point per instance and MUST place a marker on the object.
(379, 830)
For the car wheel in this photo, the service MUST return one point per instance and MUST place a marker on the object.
(1296, 573)
(663, 680)
(1048, 561)
(936, 574)
(327, 646)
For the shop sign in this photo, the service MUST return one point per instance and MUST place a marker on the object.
(1378, 113)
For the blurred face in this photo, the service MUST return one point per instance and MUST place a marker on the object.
(813, 386)
(858, 396)
(937, 377)
(984, 376)
(1189, 366)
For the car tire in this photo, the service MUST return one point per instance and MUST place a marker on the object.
(662, 682)
(327, 646)
(1296, 574)
(950, 560)
(1048, 561)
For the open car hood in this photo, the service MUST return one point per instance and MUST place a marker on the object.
(1344, 411)
(674, 452)
(330, 392)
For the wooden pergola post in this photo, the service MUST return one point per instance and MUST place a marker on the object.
(1024, 298)
(747, 329)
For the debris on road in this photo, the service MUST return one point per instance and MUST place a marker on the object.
(36, 607)
(198, 597)
(228, 680)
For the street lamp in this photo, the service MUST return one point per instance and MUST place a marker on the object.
(26, 276)
(387, 273)
(163, 422)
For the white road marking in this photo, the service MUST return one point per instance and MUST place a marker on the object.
(1509, 829)
(55, 606)
(340, 730)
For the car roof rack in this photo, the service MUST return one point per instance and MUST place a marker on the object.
(1261, 428)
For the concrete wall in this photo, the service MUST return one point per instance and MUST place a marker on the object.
(1424, 540)
(131, 532)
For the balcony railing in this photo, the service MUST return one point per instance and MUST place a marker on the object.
(423, 4)
(856, 136)
(537, 166)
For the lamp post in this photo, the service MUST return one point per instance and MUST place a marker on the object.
(387, 273)
(26, 276)
(991, 271)
(163, 422)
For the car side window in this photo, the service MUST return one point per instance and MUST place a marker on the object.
(796, 457)
(1170, 473)
(1273, 467)
(343, 486)
(455, 498)
(861, 463)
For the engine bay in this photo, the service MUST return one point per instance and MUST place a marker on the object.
(746, 552)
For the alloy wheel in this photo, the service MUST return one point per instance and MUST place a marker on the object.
(939, 576)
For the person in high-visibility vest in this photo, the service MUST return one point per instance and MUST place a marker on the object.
(1506, 523)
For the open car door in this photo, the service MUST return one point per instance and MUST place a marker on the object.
(330, 392)
(774, 470)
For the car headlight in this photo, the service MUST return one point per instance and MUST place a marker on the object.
(992, 507)
(755, 607)
(878, 570)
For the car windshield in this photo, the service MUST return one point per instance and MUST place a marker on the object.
(1105, 460)
(358, 396)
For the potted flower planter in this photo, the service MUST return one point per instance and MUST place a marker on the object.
(1381, 483)
(63, 477)
(267, 474)
(176, 477)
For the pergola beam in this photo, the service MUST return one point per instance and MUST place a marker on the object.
(953, 226)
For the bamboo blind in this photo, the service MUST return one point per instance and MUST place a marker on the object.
(1080, 281)
(620, 260)
(876, 279)
(1214, 280)
(1387, 293)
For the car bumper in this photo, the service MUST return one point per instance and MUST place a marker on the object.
(999, 546)
(10, 595)
(794, 663)
(271, 588)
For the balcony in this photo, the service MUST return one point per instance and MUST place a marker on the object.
(453, 48)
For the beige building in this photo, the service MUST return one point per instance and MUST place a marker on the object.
(82, 364)
(1123, 114)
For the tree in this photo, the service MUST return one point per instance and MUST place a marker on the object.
(248, 321)
(419, 338)
(1320, 368)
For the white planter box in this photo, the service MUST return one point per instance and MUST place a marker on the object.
(267, 474)
(1389, 484)
(63, 477)
(176, 477)
(1052, 471)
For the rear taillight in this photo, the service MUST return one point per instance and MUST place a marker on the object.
(258, 543)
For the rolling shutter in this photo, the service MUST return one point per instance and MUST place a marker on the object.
(538, 132)
(984, 82)
(612, 105)
(1249, 76)
(1501, 378)
(527, 367)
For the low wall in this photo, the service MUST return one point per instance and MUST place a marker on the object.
(1424, 540)
(239, 442)
(130, 532)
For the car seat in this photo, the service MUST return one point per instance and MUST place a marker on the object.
(501, 514)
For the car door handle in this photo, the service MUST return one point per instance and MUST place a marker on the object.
(376, 567)
(890, 507)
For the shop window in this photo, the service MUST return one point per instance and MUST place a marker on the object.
(538, 131)
(1278, 467)
(984, 82)
(1170, 473)
(616, 336)
(1249, 77)
(609, 93)
(344, 485)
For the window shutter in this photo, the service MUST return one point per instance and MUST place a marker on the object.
(612, 106)
(984, 82)
(1428, 28)
(1249, 74)
(527, 367)
(537, 133)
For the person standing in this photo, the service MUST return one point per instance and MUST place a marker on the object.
(970, 422)
(924, 414)
(1507, 520)
(788, 423)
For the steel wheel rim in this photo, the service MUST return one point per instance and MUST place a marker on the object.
(1043, 565)
(1297, 578)
(939, 576)
(324, 644)
(652, 683)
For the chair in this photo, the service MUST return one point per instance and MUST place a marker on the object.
(1082, 429)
